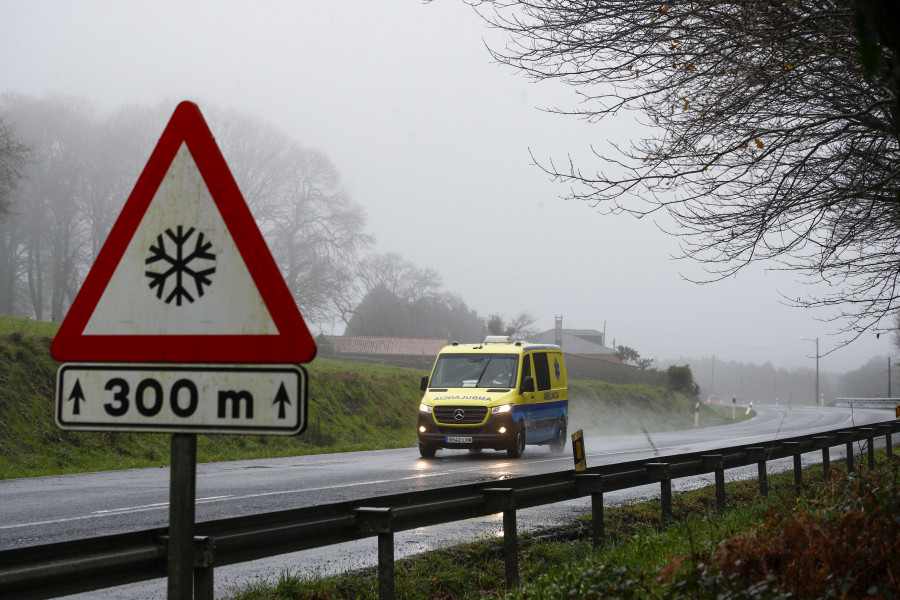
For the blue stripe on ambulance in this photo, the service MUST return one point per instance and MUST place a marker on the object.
(540, 417)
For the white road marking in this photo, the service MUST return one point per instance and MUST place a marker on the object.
(162, 505)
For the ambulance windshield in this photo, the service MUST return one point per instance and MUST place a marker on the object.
(475, 370)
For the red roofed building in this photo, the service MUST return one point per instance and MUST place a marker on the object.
(417, 353)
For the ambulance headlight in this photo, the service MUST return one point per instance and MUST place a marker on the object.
(499, 410)
(424, 408)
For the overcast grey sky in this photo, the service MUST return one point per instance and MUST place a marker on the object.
(432, 139)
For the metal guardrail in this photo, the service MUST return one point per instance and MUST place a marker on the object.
(887, 403)
(52, 570)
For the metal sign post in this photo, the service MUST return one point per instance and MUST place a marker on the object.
(182, 487)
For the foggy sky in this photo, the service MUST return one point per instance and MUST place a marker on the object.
(432, 139)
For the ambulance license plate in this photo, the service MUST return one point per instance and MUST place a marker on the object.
(459, 439)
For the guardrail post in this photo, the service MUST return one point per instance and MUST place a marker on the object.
(886, 429)
(380, 520)
(716, 462)
(869, 434)
(759, 455)
(794, 449)
(204, 559)
(660, 472)
(504, 499)
(823, 442)
(846, 438)
(593, 484)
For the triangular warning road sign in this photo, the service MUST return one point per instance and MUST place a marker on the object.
(185, 274)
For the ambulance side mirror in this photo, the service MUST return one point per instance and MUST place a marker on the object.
(424, 384)
(527, 385)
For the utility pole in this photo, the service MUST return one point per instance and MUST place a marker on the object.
(819, 401)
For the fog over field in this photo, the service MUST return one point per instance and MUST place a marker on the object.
(436, 143)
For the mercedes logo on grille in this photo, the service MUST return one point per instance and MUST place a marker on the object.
(459, 414)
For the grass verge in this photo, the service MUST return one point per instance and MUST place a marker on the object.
(835, 539)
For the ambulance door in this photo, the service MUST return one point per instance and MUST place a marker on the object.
(525, 400)
(541, 417)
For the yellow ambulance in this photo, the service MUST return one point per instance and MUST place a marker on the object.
(498, 394)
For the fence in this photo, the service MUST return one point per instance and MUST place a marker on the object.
(64, 568)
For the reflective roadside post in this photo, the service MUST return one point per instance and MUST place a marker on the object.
(578, 450)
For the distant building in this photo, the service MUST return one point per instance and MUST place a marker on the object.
(583, 342)
(586, 355)
(418, 353)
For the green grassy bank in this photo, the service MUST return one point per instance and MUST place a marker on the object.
(352, 406)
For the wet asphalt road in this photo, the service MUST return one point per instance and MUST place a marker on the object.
(50, 509)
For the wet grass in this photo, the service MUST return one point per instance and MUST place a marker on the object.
(26, 327)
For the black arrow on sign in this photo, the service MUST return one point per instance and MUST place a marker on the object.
(282, 399)
(78, 396)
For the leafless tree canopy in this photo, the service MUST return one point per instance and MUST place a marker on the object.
(400, 276)
(313, 227)
(766, 140)
(519, 327)
(83, 166)
(13, 157)
(393, 297)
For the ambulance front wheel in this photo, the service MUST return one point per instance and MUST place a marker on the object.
(427, 450)
(518, 447)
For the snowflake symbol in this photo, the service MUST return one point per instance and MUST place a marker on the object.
(180, 265)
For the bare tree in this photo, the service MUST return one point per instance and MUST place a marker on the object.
(13, 158)
(393, 297)
(312, 226)
(118, 145)
(766, 141)
(407, 281)
(518, 327)
(11, 252)
(388, 284)
(48, 226)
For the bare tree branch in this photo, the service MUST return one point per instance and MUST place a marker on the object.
(767, 141)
